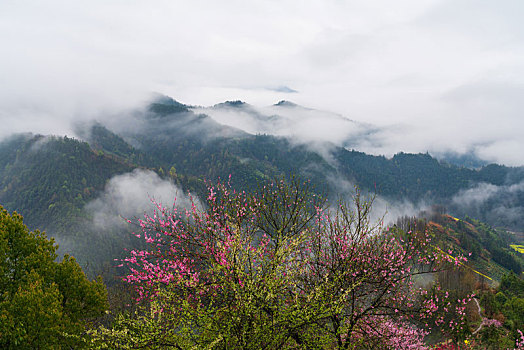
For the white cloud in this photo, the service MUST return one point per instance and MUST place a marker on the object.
(131, 195)
(287, 119)
(384, 211)
(451, 70)
(475, 196)
(495, 204)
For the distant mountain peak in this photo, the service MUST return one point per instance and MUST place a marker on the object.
(285, 103)
(283, 88)
(236, 103)
(165, 105)
(166, 100)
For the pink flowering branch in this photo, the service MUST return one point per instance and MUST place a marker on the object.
(275, 267)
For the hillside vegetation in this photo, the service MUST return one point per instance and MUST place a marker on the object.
(50, 179)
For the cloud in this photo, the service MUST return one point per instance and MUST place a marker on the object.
(391, 210)
(435, 75)
(384, 210)
(131, 195)
(475, 196)
(495, 204)
(282, 88)
(318, 130)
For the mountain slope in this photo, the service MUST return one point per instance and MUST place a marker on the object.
(180, 137)
(51, 179)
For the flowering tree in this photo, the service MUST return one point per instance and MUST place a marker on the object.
(275, 269)
(376, 272)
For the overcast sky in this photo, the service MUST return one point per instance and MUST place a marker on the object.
(440, 75)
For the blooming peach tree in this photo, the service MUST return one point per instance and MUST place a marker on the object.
(276, 269)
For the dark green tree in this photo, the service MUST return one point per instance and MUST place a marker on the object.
(44, 304)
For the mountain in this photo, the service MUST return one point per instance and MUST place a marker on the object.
(44, 177)
(467, 160)
(53, 181)
(287, 119)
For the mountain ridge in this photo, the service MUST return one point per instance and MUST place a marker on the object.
(53, 186)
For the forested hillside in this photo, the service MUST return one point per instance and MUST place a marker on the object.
(50, 179)
(490, 253)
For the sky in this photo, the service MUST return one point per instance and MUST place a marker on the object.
(434, 75)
